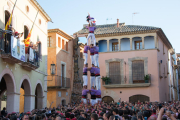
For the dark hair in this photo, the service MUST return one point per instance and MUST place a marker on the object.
(95, 116)
(125, 117)
(85, 114)
(102, 113)
(72, 116)
(96, 43)
(67, 115)
(120, 112)
(116, 111)
(13, 117)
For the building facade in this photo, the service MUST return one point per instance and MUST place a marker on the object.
(60, 53)
(23, 80)
(127, 53)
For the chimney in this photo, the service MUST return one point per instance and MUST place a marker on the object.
(117, 22)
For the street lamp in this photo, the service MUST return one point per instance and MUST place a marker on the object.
(53, 69)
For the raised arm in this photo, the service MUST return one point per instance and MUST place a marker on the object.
(51, 104)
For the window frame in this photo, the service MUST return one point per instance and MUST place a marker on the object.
(137, 72)
(139, 42)
(114, 47)
(49, 40)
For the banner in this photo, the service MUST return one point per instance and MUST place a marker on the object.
(17, 49)
(31, 55)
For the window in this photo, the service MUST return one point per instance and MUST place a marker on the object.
(39, 21)
(49, 41)
(59, 42)
(59, 93)
(138, 45)
(63, 44)
(7, 15)
(115, 46)
(114, 72)
(138, 71)
(163, 50)
(66, 46)
(26, 32)
(27, 9)
(62, 70)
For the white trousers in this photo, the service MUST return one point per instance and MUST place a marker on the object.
(84, 100)
(98, 82)
(85, 80)
(92, 59)
(96, 59)
(93, 39)
(93, 102)
(92, 81)
(85, 57)
(98, 100)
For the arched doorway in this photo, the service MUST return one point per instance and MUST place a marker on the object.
(135, 98)
(107, 99)
(39, 97)
(25, 98)
(63, 102)
(7, 86)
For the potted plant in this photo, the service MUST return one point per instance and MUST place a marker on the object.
(146, 78)
(106, 79)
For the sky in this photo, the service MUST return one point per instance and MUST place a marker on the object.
(70, 15)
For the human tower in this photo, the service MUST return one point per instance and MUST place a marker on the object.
(94, 70)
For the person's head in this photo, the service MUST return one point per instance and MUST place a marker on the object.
(58, 118)
(86, 65)
(67, 115)
(25, 117)
(106, 116)
(93, 87)
(72, 116)
(115, 111)
(13, 117)
(111, 117)
(92, 65)
(96, 44)
(125, 117)
(85, 43)
(84, 115)
(4, 108)
(85, 86)
(101, 114)
(134, 118)
(120, 112)
(94, 116)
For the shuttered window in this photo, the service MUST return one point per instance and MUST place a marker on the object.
(138, 71)
(66, 46)
(114, 72)
(115, 46)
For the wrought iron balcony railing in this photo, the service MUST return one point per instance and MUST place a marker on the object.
(13, 51)
(58, 82)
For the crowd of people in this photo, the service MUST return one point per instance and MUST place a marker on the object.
(102, 111)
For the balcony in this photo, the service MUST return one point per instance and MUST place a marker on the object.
(116, 83)
(32, 61)
(58, 82)
(10, 48)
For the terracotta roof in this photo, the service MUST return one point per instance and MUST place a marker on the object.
(112, 28)
(61, 33)
(42, 10)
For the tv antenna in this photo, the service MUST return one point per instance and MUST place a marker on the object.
(133, 16)
(108, 19)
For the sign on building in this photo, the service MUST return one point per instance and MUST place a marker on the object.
(17, 49)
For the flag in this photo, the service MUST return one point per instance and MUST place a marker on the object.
(10, 18)
(27, 40)
(8, 22)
